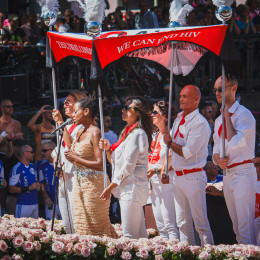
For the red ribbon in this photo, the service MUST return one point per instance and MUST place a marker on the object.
(220, 128)
(72, 127)
(181, 123)
(128, 129)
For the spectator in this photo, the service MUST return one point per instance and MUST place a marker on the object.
(253, 10)
(16, 35)
(112, 22)
(74, 24)
(232, 25)
(245, 23)
(42, 131)
(166, 17)
(23, 182)
(65, 26)
(130, 19)
(145, 19)
(209, 17)
(109, 134)
(206, 111)
(215, 110)
(23, 19)
(5, 120)
(3, 31)
(192, 20)
(158, 12)
(3, 182)
(257, 201)
(33, 32)
(256, 22)
(46, 172)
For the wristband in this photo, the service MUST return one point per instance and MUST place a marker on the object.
(156, 170)
(4, 134)
(169, 143)
(25, 189)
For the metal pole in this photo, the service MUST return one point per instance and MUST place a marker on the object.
(102, 134)
(169, 108)
(223, 116)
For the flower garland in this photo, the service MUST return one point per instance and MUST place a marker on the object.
(28, 238)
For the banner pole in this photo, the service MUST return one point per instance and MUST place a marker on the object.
(102, 134)
(169, 109)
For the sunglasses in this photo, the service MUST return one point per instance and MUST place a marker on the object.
(215, 90)
(67, 103)
(29, 152)
(45, 150)
(155, 112)
(8, 106)
(127, 107)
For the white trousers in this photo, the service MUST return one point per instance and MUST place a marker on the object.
(66, 203)
(190, 203)
(49, 212)
(26, 211)
(164, 210)
(132, 217)
(239, 186)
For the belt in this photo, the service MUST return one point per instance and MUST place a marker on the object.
(180, 173)
(239, 163)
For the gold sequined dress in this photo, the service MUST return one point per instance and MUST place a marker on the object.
(90, 211)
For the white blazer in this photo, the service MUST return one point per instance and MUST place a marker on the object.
(129, 168)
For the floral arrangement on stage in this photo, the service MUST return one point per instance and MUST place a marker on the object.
(28, 238)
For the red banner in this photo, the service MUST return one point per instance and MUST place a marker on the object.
(111, 46)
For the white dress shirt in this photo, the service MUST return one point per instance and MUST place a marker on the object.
(129, 167)
(242, 145)
(196, 133)
(68, 167)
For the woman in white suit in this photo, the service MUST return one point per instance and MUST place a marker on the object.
(129, 159)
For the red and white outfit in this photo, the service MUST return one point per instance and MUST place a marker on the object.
(239, 184)
(257, 213)
(162, 195)
(192, 132)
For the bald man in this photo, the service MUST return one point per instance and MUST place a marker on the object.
(189, 140)
(240, 180)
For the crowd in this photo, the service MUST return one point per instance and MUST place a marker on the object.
(30, 29)
(137, 161)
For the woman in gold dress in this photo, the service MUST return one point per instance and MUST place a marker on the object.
(91, 213)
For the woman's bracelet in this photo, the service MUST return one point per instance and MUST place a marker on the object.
(109, 149)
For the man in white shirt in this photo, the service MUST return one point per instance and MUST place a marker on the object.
(240, 180)
(189, 141)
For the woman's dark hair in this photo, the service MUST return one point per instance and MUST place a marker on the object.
(164, 109)
(90, 103)
(77, 95)
(143, 108)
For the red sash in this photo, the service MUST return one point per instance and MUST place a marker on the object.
(181, 123)
(128, 129)
(220, 128)
(72, 127)
(257, 205)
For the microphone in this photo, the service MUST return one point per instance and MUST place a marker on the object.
(68, 121)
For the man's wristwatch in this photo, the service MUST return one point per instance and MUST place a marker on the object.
(169, 143)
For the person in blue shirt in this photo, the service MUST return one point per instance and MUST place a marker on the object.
(46, 171)
(2, 180)
(23, 182)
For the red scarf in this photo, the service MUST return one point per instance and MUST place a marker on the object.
(128, 129)
(72, 127)
(181, 123)
(220, 128)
